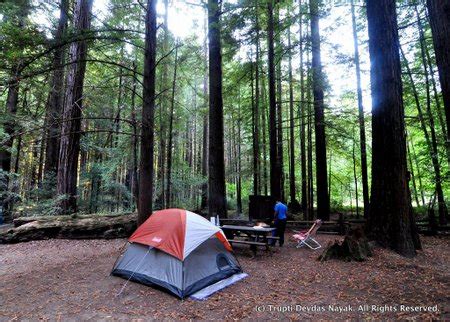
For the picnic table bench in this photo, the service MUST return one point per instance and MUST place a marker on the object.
(255, 237)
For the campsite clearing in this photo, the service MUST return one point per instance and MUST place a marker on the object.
(64, 279)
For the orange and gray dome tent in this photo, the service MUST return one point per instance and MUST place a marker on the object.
(178, 251)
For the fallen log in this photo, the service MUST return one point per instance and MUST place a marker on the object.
(70, 227)
(354, 247)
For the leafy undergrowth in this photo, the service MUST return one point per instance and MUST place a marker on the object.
(69, 279)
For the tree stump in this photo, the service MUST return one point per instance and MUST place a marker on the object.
(354, 247)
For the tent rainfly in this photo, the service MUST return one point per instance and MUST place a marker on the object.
(178, 251)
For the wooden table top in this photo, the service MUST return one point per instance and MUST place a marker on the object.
(246, 228)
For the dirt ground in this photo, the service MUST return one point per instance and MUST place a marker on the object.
(69, 280)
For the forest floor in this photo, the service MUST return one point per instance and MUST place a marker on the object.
(69, 279)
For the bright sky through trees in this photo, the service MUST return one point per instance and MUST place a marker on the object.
(188, 18)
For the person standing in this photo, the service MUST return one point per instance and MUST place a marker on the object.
(280, 218)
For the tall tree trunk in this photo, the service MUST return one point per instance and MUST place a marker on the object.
(216, 182)
(255, 131)
(292, 192)
(257, 105)
(238, 162)
(73, 105)
(390, 220)
(134, 142)
(310, 143)
(115, 137)
(419, 173)
(329, 172)
(355, 178)
(439, 13)
(55, 103)
(41, 160)
(195, 149)
(362, 126)
(255, 112)
(264, 135)
(413, 178)
(204, 197)
(279, 101)
(19, 148)
(302, 115)
(161, 198)
(275, 174)
(169, 146)
(323, 199)
(145, 204)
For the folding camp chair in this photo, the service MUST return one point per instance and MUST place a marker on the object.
(306, 238)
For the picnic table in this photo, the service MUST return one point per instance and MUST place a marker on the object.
(253, 236)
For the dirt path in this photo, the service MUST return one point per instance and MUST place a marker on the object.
(69, 279)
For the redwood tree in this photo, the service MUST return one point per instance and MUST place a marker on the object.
(390, 220)
(55, 102)
(216, 165)
(362, 126)
(71, 126)
(275, 173)
(323, 199)
(302, 115)
(145, 202)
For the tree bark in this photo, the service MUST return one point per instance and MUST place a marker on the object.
(204, 197)
(292, 191)
(255, 113)
(19, 147)
(279, 102)
(413, 178)
(255, 131)
(275, 174)
(55, 104)
(163, 99)
(355, 178)
(310, 145)
(264, 135)
(257, 104)
(238, 162)
(362, 126)
(302, 115)
(145, 204)
(216, 181)
(168, 197)
(73, 105)
(323, 199)
(390, 220)
(134, 142)
(419, 173)
(439, 13)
